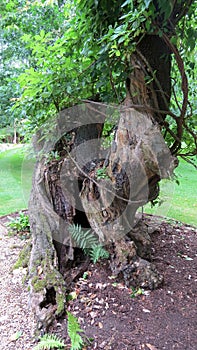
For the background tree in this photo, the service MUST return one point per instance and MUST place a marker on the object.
(19, 19)
(107, 52)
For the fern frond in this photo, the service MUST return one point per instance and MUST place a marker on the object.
(49, 341)
(83, 239)
(87, 241)
(74, 329)
(98, 252)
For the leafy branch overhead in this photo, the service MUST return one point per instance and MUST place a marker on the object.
(81, 50)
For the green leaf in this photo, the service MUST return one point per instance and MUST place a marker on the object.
(127, 2)
(74, 329)
(147, 3)
(49, 341)
(118, 53)
(97, 253)
(42, 33)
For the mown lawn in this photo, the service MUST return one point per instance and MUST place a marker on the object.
(179, 201)
(15, 180)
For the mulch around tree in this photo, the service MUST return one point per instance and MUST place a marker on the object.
(120, 318)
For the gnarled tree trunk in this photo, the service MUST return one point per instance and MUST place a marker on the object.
(67, 187)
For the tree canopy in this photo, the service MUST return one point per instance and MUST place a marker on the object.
(56, 53)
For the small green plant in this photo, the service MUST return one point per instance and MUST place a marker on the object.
(88, 242)
(102, 173)
(19, 224)
(98, 252)
(84, 239)
(49, 341)
(52, 155)
(85, 275)
(136, 292)
(71, 296)
(74, 329)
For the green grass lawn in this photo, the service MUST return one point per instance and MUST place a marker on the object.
(179, 201)
(15, 180)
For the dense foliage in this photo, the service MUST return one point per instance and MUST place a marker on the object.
(57, 53)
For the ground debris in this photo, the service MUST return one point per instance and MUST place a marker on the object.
(119, 317)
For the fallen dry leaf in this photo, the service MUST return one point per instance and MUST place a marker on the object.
(39, 270)
(93, 314)
(151, 347)
(146, 310)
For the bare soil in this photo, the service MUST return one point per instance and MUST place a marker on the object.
(115, 317)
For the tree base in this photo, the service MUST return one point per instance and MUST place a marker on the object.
(128, 259)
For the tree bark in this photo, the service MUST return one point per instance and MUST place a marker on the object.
(47, 287)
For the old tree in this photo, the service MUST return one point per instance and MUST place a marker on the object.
(111, 115)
